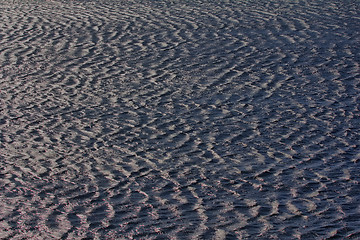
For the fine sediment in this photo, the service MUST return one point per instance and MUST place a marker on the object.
(179, 119)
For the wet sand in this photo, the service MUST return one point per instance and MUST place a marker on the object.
(179, 119)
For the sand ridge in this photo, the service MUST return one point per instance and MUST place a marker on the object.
(179, 119)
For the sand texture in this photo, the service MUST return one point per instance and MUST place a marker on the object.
(176, 119)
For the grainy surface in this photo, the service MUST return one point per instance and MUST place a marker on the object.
(180, 119)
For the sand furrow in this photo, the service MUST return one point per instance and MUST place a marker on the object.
(179, 119)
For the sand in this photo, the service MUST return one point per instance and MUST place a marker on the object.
(174, 119)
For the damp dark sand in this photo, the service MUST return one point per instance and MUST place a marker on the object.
(180, 119)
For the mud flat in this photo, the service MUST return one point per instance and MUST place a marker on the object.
(179, 119)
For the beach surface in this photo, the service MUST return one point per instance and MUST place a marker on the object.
(175, 119)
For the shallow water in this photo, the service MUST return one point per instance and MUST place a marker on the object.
(179, 119)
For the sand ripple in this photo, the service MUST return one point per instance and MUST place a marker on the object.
(179, 119)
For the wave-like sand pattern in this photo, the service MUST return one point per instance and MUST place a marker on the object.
(179, 119)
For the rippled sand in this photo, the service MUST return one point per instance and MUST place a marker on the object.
(229, 119)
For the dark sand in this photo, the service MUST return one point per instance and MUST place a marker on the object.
(180, 119)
